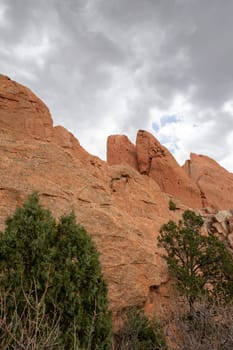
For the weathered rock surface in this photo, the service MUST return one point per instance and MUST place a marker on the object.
(121, 209)
(119, 206)
(214, 182)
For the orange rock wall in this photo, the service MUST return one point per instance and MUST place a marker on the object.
(122, 203)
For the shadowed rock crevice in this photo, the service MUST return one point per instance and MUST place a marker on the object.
(119, 183)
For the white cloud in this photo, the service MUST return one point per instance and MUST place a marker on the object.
(228, 107)
(33, 48)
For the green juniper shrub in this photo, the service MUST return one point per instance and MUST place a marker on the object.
(78, 272)
(196, 261)
(62, 259)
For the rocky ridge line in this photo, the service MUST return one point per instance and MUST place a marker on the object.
(199, 183)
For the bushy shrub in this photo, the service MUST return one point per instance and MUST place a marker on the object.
(140, 333)
(200, 264)
(36, 252)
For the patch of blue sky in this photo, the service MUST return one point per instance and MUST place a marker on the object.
(166, 141)
(173, 149)
(168, 119)
(165, 120)
(155, 127)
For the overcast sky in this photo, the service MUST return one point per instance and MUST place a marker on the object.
(115, 66)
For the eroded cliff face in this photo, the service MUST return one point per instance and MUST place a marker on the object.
(122, 203)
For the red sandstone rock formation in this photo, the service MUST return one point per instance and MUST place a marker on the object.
(122, 209)
(214, 182)
(154, 160)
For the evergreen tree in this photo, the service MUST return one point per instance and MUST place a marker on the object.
(80, 293)
(200, 263)
(61, 263)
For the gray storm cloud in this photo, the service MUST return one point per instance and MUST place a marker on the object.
(116, 66)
